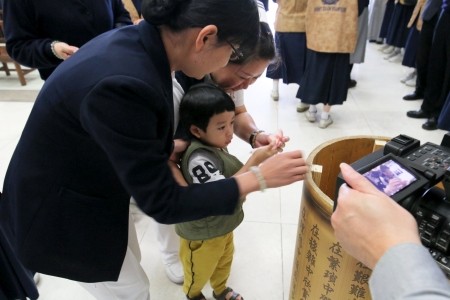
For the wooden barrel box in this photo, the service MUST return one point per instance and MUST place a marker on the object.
(321, 269)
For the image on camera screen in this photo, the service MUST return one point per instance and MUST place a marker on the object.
(390, 177)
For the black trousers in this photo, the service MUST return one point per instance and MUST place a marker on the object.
(438, 77)
(423, 53)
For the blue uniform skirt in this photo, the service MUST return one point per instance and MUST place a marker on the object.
(409, 59)
(387, 18)
(325, 79)
(291, 47)
(398, 32)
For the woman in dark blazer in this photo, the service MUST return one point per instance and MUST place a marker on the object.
(101, 131)
(43, 33)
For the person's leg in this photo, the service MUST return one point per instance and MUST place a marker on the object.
(274, 70)
(311, 113)
(199, 260)
(275, 94)
(423, 54)
(325, 118)
(409, 60)
(132, 282)
(169, 246)
(351, 82)
(222, 272)
(438, 79)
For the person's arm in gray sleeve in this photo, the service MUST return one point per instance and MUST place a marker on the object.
(408, 272)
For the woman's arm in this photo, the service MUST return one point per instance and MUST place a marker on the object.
(24, 43)
(246, 128)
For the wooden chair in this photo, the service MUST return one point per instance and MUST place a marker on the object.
(5, 59)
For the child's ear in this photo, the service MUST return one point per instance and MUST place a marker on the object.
(195, 131)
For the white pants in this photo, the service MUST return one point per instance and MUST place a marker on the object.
(133, 283)
(168, 240)
(169, 243)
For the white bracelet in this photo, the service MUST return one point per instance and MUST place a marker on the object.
(52, 46)
(262, 182)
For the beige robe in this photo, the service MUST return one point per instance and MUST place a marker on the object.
(332, 25)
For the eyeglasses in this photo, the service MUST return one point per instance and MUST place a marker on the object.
(236, 54)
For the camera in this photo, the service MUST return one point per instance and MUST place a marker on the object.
(418, 178)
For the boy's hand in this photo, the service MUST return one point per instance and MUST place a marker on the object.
(262, 153)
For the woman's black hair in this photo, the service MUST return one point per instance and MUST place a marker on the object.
(237, 20)
(265, 47)
(201, 102)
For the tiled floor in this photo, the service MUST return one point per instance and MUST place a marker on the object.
(265, 241)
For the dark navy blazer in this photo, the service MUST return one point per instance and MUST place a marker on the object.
(32, 25)
(431, 8)
(100, 132)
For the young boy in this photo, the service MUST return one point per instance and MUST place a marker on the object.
(206, 249)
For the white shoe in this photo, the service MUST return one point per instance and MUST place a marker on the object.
(396, 59)
(310, 116)
(392, 54)
(408, 77)
(36, 278)
(324, 123)
(411, 82)
(301, 107)
(388, 50)
(384, 47)
(175, 272)
(274, 94)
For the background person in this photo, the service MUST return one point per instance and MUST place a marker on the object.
(43, 33)
(384, 236)
(290, 39)
(438, 74)
(331, 35)
(429, 17)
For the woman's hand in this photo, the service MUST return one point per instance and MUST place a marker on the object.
(63, 51)
(275, 140)
(179, 146)
(284, 168)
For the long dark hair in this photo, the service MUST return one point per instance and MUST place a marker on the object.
(265, 47)
(237, 20)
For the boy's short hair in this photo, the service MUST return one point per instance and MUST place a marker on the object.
(201, 102)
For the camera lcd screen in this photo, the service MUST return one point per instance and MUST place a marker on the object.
(390, 177)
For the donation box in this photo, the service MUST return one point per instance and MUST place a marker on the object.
(321, 269)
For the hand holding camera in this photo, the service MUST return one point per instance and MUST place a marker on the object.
(367, 222)
(371, 219)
